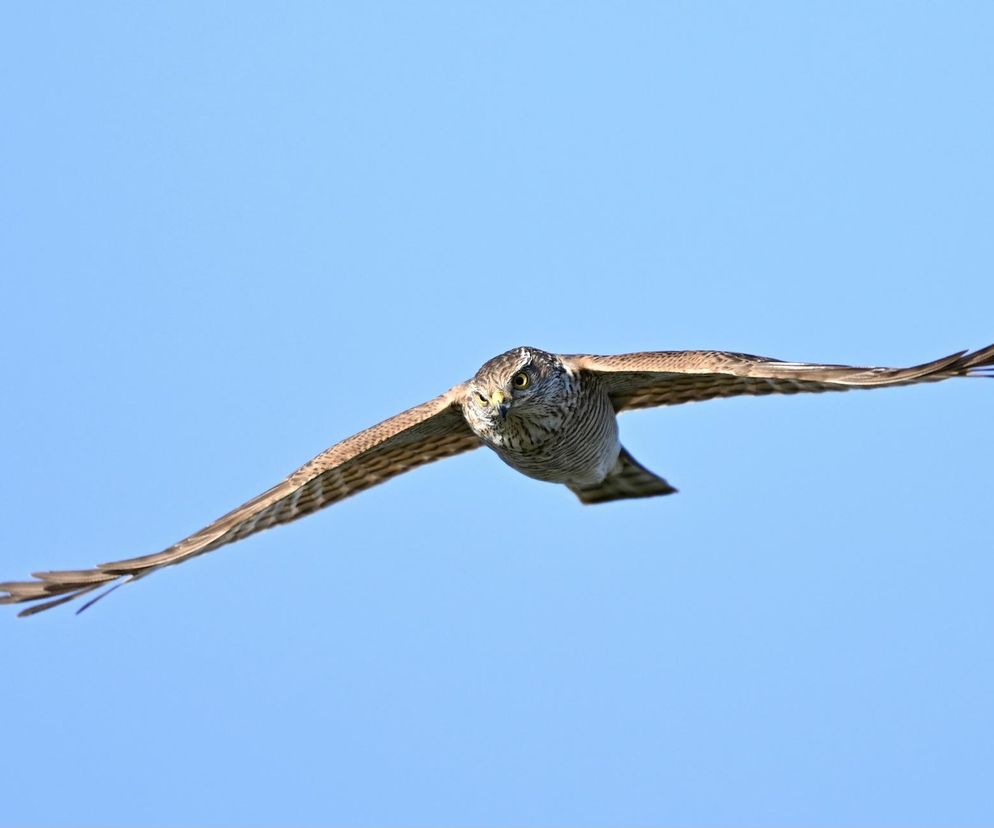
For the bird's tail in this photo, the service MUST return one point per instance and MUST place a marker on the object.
(628, 478)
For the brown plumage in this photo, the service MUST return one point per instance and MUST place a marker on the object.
(549, 416)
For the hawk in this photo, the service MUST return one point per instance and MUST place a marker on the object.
(550, 416)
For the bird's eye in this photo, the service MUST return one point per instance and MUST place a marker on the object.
(520, 380)
(483, 400)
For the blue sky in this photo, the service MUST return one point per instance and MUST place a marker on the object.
(232, 235)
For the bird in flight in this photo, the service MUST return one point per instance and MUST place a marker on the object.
(550, 416)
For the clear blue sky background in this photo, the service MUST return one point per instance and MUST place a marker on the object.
(234, 234)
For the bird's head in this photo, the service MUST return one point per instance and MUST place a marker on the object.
(522, 385)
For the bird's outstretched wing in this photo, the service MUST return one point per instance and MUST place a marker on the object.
(652, 378)
(412, 438)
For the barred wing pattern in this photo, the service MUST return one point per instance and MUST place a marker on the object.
(427, 432)
(438, 429)
(654, 378)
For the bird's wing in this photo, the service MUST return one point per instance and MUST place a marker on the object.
(412, 438)
(654, 378)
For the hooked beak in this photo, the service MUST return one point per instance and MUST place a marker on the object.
(500, 402)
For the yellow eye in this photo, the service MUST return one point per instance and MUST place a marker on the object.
(520, 380)
(481, 398)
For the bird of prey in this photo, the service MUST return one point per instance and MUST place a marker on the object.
(550, 416)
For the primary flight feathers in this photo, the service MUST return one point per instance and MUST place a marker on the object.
(550, 416)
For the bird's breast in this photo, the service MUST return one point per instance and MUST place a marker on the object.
(574, 442)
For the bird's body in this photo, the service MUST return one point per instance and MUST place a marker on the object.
(561, 428)
(550, 416)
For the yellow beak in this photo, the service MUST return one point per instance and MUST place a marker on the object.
(500, 402)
